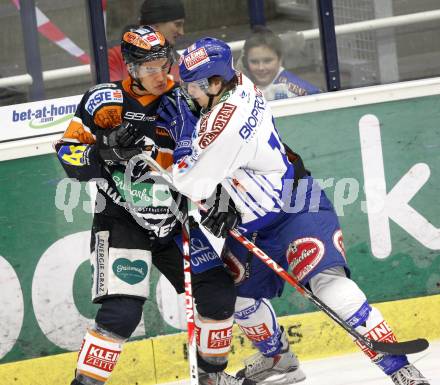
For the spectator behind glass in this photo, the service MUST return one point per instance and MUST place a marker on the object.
(166, 16)
(262, 63)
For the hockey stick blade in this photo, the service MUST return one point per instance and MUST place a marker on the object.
(393, 348)
(400, 348)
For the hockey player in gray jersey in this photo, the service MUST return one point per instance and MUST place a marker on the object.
(235, 144)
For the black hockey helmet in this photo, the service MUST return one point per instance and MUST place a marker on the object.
(144, 44)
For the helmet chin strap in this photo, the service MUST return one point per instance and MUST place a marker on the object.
(138, 84)
(212, 96)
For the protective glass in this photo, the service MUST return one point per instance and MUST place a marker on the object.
(195, 88)
(144, 69)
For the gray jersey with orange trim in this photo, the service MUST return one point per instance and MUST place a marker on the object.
(104, 107)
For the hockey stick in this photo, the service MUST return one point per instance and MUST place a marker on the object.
(183, 217)
(395, 348)
(189, 303)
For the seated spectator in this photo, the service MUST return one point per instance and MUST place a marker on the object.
(166, 16)
(262, 62)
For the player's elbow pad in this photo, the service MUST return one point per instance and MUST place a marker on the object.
(80, 161)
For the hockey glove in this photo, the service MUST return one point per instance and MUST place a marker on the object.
(118, 144)
(221, 215)
(179, 121)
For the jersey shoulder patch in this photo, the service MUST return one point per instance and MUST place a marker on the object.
(218, 122)
(102, 96)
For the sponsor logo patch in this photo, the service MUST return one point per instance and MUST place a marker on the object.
(338, 242)
(255, 118)
(220, 338)
(196, 58)
(220, 122)
(303, 256)
(239, 78)
(204, 123)
(100, 97)
(153, 39)
(197, 333)
(256, 333)
(101, 250)
(235, 267)
(146, 41)
(202, 253)
(130, 115)
(381, 332)
(130, 272)
(101, 358)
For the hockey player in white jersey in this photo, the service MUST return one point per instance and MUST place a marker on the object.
(235, 144)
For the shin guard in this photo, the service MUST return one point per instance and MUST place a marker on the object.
(98, 355)
(213, 339)
(369, 322)
(257, 320)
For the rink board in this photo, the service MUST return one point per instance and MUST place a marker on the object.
(44, 268)
(163, 359)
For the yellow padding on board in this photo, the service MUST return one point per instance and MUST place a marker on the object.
(163, 359)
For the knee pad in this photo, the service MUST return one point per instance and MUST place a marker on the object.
(257, 320)
(120, 315)
(214, 294)
(337, 291)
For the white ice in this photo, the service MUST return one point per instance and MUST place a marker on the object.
(356, 369)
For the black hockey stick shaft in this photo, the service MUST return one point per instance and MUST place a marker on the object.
(396, 348)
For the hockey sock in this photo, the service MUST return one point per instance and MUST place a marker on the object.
(257, 320)
(98, 356)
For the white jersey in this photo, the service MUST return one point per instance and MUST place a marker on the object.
(236, 144)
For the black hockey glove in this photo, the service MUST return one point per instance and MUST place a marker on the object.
(221, 215)
(118, 144)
